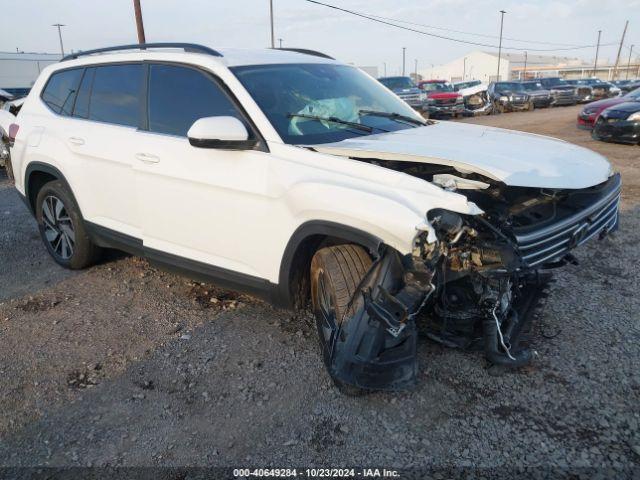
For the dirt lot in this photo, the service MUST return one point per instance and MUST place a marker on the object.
(124, 365)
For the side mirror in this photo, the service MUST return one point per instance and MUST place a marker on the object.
(225, 133)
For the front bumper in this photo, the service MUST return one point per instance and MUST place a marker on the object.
(586, 121)
(455, 109)
(617, 131)
(541, 102)
(561, 100)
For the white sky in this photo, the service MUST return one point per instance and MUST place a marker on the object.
(245, 23)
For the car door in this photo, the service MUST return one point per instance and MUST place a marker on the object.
(201, 208)
(102, 136)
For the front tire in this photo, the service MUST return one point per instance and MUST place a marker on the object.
(62, 228)
(336, 273)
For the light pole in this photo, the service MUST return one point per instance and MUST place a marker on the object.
(139, 25)
(59, 25)
(595, 63)
(416, 70)
(629, 62)
(502, 12)
(524, 73)
(464, 69)
(280, 43)
(404, 50)
(273, 38)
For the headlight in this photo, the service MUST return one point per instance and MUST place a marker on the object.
(504, 98)
(634, 117)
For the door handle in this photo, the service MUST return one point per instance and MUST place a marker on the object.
(76, 140)
(147, 158)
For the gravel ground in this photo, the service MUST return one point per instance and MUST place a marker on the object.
(124, 365)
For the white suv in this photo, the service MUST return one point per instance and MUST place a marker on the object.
(297, 178)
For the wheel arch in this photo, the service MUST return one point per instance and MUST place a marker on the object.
(36, 175)
(293, 282)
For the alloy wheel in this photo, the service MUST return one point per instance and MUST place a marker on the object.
(58, 227)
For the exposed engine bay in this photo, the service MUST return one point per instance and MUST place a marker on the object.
(476, 287)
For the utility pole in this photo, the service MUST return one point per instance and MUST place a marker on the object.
(139, 25)
(404, 50)
(279, 43)
(629, 62)
(624, 32)
(416, 70)
(524, 73)
(273, 38)
(464, 69)
(595, 64)
(59, 25)
(384, 64)
(502, 12)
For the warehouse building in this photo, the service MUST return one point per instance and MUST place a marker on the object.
(18, 71)
(481, 65)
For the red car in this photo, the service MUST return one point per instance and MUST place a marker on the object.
(589, 114)
(441, 98)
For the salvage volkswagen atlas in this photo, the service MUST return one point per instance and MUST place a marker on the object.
(297, 178)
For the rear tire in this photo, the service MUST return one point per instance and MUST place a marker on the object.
(336, 273)
(62, 228)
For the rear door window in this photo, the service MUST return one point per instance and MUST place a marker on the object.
(60, 92)
(178, 96)
(116, 95)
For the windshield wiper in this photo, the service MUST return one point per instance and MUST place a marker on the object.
(395, 116)
(357, 126)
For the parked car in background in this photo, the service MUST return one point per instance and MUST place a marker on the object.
(304, 181)
(584, 88)
(605, 90)
(442, 99)
(475, 97)
(407, 90)
(540, 96)
(8, 113)
(509, 96)
(629, 86)
(4, 97)
(562, 93)
(619, 123)
(589, 114)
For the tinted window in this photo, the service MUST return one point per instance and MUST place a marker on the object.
(61, 89)
(82, 100)
(178, 96)
(116, 94)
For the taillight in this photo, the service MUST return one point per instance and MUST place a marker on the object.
(13, 131)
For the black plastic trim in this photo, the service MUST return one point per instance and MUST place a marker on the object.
(107, 238)
(35, 167)
(187, 47)
(249, 144)
(199, 271)
(283, 295)
(306, 51)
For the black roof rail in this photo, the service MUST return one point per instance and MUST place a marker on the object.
(306, 52)
(187, 47)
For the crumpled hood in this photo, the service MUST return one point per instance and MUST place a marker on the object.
(515, 158)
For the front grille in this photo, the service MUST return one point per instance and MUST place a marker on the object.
(411, 97)
(445, 101)
(584, 91)
(555, 241)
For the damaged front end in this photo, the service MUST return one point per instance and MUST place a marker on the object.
(476, 286)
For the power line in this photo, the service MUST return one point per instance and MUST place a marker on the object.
(443, 37)
(475, 34)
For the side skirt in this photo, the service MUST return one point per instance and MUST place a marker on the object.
(202, 272)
